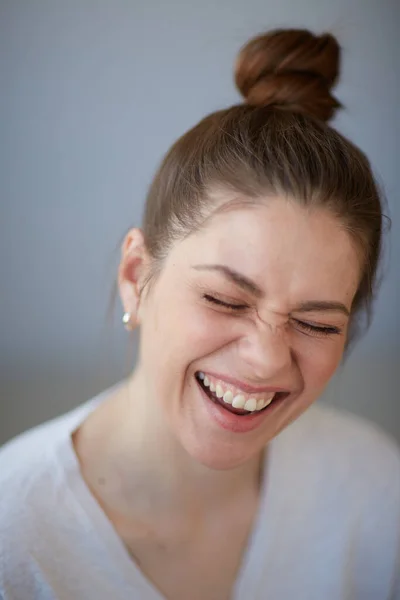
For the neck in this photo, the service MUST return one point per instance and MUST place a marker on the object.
(145, 468)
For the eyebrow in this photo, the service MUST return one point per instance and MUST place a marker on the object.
(241, 280)
(322, 305)
(250, 286)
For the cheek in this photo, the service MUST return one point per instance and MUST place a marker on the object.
(180, 331)
(320, 362)
(201, 330)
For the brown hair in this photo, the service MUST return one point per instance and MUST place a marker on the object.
(277, 142)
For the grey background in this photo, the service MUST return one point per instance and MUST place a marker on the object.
(92, 94)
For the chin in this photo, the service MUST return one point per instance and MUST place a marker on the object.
(220, 456)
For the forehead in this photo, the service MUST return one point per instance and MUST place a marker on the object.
(287, 249)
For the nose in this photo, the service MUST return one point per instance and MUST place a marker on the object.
(266, 351)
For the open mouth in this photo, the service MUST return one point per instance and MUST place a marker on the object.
(240, 404)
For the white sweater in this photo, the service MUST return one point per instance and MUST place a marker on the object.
(328, 526)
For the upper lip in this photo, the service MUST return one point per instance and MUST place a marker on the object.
(246, 387)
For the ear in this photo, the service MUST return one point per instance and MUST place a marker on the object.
(131, 273)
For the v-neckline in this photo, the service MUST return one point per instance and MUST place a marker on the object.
(253, 559)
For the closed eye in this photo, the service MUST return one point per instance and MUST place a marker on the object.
(307, 328)
(317, 330)
(223, 304)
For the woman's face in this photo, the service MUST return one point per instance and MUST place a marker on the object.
(252, 307)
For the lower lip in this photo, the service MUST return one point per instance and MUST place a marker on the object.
(237, 423)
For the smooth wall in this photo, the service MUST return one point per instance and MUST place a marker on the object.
(92, 94)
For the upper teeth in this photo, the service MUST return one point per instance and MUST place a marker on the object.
(233, 396)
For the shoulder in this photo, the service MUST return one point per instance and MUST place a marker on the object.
(337, 502)
(346, 436)
(28, 456)
(33, 482)
(32, 462)
(350, 453)
(31, 458)
(28, 469)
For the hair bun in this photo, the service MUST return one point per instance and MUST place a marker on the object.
(290, 68)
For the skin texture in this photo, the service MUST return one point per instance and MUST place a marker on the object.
(181, 491)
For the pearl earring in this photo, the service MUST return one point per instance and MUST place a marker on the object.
(126, 319)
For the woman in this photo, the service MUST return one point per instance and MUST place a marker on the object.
(199, 477)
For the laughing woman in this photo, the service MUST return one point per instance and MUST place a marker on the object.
(208, 474)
